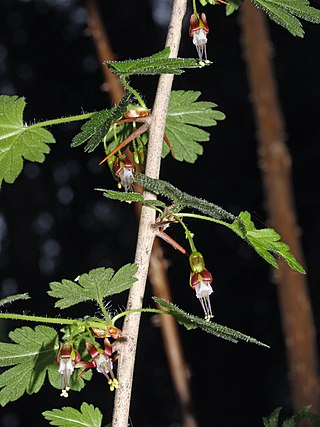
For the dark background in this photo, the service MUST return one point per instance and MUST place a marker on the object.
(53, 225)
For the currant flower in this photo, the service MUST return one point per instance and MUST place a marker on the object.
(200, 282)
(198, 30)
(124, 170)
(67, 358)
(103, 362)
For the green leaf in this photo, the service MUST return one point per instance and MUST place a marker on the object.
(266, 242)
(97, 127)
(88, 416)
(159, 63)
(185, 116)
(189, 321)
(95, 285)
(287, 12)
(33, 353)
(273, 419)
(131, 197)
(17, 140)
(12, 298)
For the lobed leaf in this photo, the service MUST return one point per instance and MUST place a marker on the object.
(32, 353)
(189, 321)
(273, 419)
(11, 298)
(158, 63)
(95, 285)
(19, 141)
(88, 416)
(97, 127)
(185, 116)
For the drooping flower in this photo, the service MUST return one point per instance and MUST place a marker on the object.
(67, 358)
(200, 282)
(103, 362)
(198, 30)
(124, 170)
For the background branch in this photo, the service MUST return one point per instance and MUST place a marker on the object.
(275, 164)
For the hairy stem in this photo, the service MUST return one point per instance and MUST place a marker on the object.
(146, 233)
(69, 119)
(41, 319)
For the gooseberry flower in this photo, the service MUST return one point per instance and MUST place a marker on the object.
(103, 362)
(198, 30)
(67, 358)
(200, 282)
(124, 170)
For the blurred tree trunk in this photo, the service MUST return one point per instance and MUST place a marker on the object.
(275, 164)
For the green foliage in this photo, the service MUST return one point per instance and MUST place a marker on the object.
(32, 353)
(287, 12)
(95, 285)
(12, 298)
(159, 63)
(185, 116)
(97, 127)
(17, 140)
(131, 197)
(189, 321)
(273, 419)
(265, 242)
(232, 6)
(88, 416)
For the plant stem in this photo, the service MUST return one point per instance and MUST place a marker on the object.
(57, 321)
(134, 92)
(62, 120)
(141, 310)
(203, 217)
(146, 234)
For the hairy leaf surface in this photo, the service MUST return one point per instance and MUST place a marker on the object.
(88, 416)
(159, 63)
(97, 127)
(95, 285)
(17, 140)
(11, 298)
(189, 321)
(185, 117)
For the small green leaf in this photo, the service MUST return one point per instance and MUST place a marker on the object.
(95, 285)
(159, 63)
(88, 416)
(189, 321)
(131, 197)
(33, 354)
(97, 127)
(232, 6)
(266, 242)
(17, 140)
(185, 116)
(272, 419)
(12, 298)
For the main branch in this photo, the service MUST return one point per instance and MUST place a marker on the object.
(146, 234)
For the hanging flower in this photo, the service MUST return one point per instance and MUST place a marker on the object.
(67, 358)
(198, 30)
(102, 362)
(200, 281)
(124, 170)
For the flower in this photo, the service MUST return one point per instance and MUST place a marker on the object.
(198, 30)
(67, 358)
(200, 282)
(124, 170)
(102, 362)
